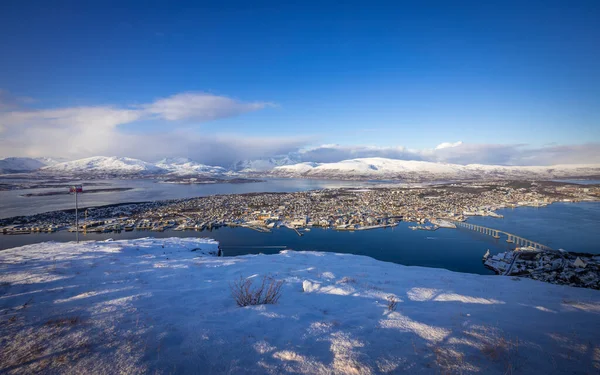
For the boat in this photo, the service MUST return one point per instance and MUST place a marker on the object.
(486, 255)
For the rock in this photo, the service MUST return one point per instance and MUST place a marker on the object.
(308, 286)
(579, 263)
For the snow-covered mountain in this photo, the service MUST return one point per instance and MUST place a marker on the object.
(19, 165)
(382, 168)
(288, 166)
(104, 165)
(263, 165)
(185, 166)
(123, 166)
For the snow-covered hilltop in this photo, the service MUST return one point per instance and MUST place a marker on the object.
(104, 164)
(165, 306)
(288, 166)
(185, 166)
(382, 168)
(122, 166)
(263, 165)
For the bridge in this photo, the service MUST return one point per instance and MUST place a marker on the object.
(495, 233)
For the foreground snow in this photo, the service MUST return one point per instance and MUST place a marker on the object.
(164, 306)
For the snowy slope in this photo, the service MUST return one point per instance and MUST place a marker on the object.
(157, 306)
(263, 165)
(17, 165)
(51, 161)
(104, 164)
(392, 168)
(185, 166)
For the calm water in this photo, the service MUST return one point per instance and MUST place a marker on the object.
(13, 204)
(571, 226)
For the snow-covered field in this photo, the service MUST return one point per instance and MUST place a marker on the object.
(165, 306)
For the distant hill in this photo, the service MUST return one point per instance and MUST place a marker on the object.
(124, 166)
(262, 165)
(382, 168)
(287, 166)
(185, 166)
(20, 165)
(104, 164)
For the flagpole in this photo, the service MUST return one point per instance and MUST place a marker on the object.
(76, 218)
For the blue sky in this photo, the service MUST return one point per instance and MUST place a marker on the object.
(385, 74)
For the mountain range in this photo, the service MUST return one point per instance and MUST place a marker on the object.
(354, 169)
(382, 168)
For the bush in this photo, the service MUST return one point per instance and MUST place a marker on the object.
(245, 294)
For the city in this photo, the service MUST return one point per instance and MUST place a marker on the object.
(342, 209)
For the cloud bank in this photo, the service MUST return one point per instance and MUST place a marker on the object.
(99, 130)
(77, 132)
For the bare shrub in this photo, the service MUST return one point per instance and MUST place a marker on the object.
(245, 294)
(392, 302)
(504, 350)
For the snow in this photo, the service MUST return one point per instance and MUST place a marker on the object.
(123, 165)
(263, 165)
(185, 166)
(288, 166)
(16, 165)
(383, 167)
(156, 306)
(104, 164)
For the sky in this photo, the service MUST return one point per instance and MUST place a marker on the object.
(493, 82)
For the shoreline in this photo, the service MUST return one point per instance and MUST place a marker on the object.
(458, 250)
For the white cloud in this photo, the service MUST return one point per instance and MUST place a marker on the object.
(332, 153)
(99, 130)
(200, 107)
(214, 149)
(448, 145)
(85, 131)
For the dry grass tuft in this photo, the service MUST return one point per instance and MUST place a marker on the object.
(448, 360)
(504, 350)
(392, 303)
(267, 293)
(63, 321)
